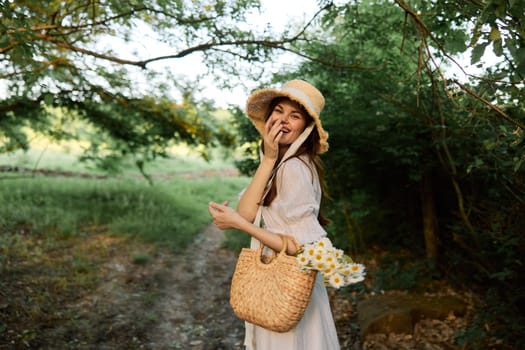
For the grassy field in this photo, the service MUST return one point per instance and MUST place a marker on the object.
(65, 232)
(170, 212)
(65, 157)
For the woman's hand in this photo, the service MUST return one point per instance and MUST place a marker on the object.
(272, 135)
(225, 217)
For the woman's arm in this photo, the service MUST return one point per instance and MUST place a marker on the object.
(249, 201)
(225, 218)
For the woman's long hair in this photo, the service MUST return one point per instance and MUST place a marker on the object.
(310, 148)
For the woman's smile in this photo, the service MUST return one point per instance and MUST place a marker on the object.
(292, 119)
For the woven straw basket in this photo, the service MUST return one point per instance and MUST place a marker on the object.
(273, 295)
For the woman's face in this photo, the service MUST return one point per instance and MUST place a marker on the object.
(293, 121)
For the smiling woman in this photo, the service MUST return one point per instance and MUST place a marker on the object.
(285, 193)
(290, 118)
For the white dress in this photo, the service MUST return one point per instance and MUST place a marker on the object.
(294, 212)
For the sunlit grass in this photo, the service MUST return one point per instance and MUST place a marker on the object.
(170, 212)
(65, 157)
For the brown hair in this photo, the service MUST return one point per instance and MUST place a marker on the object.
(310, 147)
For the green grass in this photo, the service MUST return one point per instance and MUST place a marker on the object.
(170, 212)
(65, 157)
(236, 240)
(61, 235)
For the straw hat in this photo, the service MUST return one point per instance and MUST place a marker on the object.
(296, 90)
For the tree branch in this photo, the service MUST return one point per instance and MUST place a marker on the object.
(105, 21)
(490, 105)
(42, 32)
(424, 32)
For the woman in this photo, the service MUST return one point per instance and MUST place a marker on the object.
(287, 188)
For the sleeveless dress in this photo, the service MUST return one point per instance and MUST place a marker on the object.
(294, 212)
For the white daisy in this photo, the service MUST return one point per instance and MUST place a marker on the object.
(336, 280)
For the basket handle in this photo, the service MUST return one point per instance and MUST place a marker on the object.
(285, 239)
(259, 256)
(283, 249)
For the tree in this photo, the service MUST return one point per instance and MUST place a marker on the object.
(497, 23)
(426, 162)
(53, 56)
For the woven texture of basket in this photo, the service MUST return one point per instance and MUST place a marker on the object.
(271, 295)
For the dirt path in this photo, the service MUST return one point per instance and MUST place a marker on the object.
(194, 312)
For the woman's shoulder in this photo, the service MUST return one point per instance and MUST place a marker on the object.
(299, 162)
(300, 165)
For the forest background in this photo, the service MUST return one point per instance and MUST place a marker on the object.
(425, 169)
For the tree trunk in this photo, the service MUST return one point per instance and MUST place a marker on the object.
(430, 225)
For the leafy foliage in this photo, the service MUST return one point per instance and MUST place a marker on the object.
(246, 137)
(63, 54)
(403, 139)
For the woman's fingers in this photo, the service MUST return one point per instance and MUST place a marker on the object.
(278, 137)
(223, 216)
(269, 124)
(214, 208)
(273, 129)
(272, 136)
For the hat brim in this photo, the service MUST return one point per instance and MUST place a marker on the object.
(259, 102)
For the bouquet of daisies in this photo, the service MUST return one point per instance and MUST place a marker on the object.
(338, 270)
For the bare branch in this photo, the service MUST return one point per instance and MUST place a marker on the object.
(332, 64)
(490, 105)
(53, 33)
(425, 32)
(46, 36)
(105, 21)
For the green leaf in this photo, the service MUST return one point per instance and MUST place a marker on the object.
(477, 52)
(494, 34)
(456, 42)
(498, 47)
(501, 10)
(519, 55)
(48, 99)
(517, 164)
(476, 32)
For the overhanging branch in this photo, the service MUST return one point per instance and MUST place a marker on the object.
(490, 105)
(424, 32)
(52, 33)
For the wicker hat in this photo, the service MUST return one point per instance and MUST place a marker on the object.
(296, 90)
